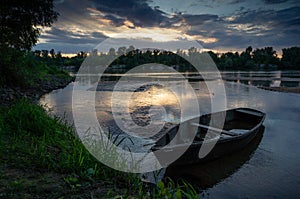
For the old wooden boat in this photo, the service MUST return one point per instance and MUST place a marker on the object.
(226, 131)
(208, 174)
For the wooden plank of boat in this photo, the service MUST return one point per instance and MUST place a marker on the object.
(249, 111)
(222, 131)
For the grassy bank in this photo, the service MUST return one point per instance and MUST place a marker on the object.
(41, 157)
(23, 75)
(23, 69)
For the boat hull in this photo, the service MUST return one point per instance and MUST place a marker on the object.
(249, 120)
(191, 156)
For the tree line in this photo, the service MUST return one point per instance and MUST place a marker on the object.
(249, 59)
(259, 59)
(50, 57)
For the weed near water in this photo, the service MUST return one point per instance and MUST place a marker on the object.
(49, 142)
(39, 153)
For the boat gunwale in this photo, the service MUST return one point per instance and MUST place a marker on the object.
(220, 139)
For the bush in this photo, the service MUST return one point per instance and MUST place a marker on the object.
(23, 69)
(24, 117)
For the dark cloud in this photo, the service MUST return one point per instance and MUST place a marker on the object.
(98, 35)
(276, 20)
(116, 21)
(56, 35)
(236, 1)
(258, 28)
(263, 26)
(136, 11)
(71, 10)
(194, 20)
(274, 1)
(289, 14)
(230, 41)
(70, 42)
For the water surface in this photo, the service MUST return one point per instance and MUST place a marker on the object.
(269, 167)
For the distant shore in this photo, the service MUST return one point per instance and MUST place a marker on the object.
(282, 89)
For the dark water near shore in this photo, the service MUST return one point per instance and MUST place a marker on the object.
(269, 79)
(268, 167)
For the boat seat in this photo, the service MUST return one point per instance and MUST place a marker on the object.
(222, 131)
(238, 131)
(249, 112)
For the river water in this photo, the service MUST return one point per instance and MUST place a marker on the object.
(268, 167)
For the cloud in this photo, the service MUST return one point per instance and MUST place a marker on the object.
(258, 28)
(274, 1)
(56, 35)
(236, 1)
(116, 21)
(69, 41)
(275, 20)
(136, 11)
(194, 20)
(226, 25)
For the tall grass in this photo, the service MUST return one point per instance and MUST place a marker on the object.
(50, 142)
(31, 138)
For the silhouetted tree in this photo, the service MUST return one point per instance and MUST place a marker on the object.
(129, 49)
(20, 22)
(52, 53)
(265, 56)
(112, 52)
(37, 53)
(82, 54)
(121, 50)
(249, 50)
(291, 58)
(45, 53)
(94, 52)
(214, 56)
(245, 59)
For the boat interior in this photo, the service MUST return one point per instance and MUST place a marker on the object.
(219, 125)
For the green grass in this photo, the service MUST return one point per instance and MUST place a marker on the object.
(33, 144)
(23, 69)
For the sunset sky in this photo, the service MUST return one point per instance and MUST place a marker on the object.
(217, 25)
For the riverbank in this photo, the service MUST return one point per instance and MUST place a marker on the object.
(282, 89)
(9, 94)
(41, 156)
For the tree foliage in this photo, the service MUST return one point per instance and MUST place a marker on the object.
(291, 57)
(21, 22)
(259, 59)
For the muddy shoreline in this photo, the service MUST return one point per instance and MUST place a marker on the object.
(9, 94)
